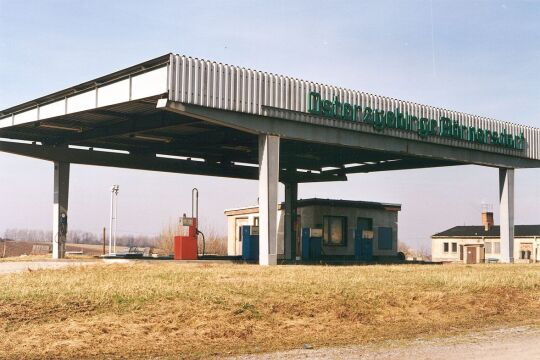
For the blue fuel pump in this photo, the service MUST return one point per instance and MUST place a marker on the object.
(311, 244)
(250, 243)
(363, 245)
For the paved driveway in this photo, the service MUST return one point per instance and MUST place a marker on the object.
(18, 266)
(502, 344)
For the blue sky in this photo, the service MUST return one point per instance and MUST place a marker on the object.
(479, 57)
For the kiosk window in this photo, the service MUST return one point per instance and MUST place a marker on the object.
(335, 230)
(385, 238)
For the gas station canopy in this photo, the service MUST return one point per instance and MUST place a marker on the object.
(180, 114)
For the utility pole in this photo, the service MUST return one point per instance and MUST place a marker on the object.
(103, 240)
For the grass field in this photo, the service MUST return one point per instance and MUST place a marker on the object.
(169, 310)
(21, 249)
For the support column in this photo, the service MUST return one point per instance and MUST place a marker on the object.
(291, 196)
(506, 209)
(60, 208)
(268, 198)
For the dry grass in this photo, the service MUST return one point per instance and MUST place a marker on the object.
(192, 311)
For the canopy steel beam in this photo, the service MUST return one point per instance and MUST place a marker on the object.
(401, 164)
(312, 132)
(153, 163)
(133, 124)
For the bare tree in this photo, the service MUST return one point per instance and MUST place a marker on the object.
(215, 243)
(166, 238)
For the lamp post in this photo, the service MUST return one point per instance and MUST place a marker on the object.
(114, 216)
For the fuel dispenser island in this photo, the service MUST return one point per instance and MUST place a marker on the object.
(185, 244)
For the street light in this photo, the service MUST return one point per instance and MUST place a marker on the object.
(114, 217)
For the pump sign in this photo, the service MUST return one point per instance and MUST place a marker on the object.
(381, 120)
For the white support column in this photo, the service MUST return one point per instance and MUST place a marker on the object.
(268, 198)
(60, 208)
(506, 209)
(291, 197)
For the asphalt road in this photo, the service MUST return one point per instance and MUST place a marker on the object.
(18, 266)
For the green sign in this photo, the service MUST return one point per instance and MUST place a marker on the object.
(424, 127)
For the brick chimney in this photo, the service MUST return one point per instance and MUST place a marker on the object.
(487, 219)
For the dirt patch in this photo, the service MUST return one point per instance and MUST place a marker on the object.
(12, 249)
(16, 248)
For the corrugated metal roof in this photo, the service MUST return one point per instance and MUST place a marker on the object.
(227, 87)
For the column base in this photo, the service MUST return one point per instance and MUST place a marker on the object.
(270, 260)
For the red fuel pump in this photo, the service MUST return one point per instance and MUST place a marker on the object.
(185, 245)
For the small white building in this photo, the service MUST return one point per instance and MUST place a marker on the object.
(481, 243)
(339, 221)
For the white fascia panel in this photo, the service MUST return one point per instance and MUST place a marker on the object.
(6, 122)
(149, 84)
(81, 102)
(26, 116)
(56, 108)
(114, 93)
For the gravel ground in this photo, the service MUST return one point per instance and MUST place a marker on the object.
(510, 343)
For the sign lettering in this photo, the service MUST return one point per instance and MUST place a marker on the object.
(424, 127)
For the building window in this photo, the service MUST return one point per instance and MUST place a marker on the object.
(454, 247)
(335, 230)
(496, 247)
(445, 247)
(384, 238)
(525, 251)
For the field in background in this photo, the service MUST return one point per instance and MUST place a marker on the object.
(199, 310)
(12, 249)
